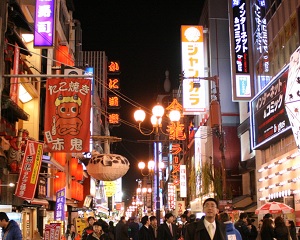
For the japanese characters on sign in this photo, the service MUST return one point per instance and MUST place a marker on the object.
(268, 114)
(44, 23)
(113, 99)
(261, 33)
(59, 213)
(183, 183)
(67, 115)
(240, 36)
(192, 54)
(242, 80)
(30, 170)
(171, 196)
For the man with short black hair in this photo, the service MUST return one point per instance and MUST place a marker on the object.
(208, 227)
(241, 226)
(10, 228)
(144, 232)
(89, 229)
(153, 227)
(167, 230)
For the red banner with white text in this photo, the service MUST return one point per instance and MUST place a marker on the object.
(67, 115)
(30, 170)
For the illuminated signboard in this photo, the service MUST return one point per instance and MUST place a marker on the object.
(113, 101)
(44, 23)
(240, 36)
(183, 182)
(114, 84)
(242, 79)
(114, 119)
(268, 115)
(113, 67)
(192, 58)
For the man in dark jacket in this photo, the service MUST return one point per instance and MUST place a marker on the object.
(122, 229)
(167, 230)
(144, 232)
(10, 228)
(207, 228)
(241, 225)
(133, 229)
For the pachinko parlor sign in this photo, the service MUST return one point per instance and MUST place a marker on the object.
(67, 115)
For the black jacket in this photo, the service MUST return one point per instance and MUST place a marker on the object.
(163, 232)
(197, 230)
(145, 233)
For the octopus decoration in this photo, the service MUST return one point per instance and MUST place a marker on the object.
(107, 167)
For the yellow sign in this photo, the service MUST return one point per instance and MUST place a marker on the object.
(110, 188)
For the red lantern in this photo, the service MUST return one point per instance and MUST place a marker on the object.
(79, 172)
(60, 157)
(59, 181)
(73, 166)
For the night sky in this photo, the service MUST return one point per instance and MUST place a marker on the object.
(145, 37)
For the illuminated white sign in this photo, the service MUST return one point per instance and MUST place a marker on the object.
(171, 196)
(183, 187)
(192, 54)
(243, 86)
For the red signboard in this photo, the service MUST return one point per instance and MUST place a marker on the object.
(30, 170)
(67, 115)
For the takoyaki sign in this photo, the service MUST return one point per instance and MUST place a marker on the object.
(67, 115)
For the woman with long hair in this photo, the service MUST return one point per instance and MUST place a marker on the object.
(267, 229)
(281, 231)
(292, 229)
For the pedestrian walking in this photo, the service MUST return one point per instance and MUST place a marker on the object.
(252, 229)
(267, 229)
(145, 232)
(208, 227)
(153, 226)
(122, 229)
(281, 231)
(242, 226)
(167, 230)
(133, 229)
(10, 228)
(292, 229)
(231, 231)
(89, 229)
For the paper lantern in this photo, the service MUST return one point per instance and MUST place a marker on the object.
(79, 172)
(60, 157)
(107, 167)
(73, 166)
(59, 181)
(76, 190)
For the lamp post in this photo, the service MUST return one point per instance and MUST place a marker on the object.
(156, 120)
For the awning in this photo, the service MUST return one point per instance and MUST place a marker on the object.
(16, 15)
(11, 111)
(38, 201)
(13, 36)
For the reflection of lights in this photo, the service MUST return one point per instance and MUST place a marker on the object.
(261, 179)
(282, 160)
(271, 165)
(271, 175)
(282, 171)
(261, 189)
(261, 170)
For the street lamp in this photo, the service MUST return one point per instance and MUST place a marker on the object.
(156, 120)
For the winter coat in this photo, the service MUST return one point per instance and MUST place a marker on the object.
(12, 231)
(197, 230)
(231, 230)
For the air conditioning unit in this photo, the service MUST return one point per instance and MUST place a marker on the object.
(73, 71)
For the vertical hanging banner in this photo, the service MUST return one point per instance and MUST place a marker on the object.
(67, 115)
(59, 213)
(30, 170)
(44, 23)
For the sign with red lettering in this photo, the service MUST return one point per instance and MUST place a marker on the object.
(67, 115)
(30, 170)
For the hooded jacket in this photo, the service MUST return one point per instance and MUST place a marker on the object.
(231, 230)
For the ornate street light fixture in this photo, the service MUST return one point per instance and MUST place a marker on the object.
(158, 112)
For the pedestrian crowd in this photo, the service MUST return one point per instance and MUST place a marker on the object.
(212, 226)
